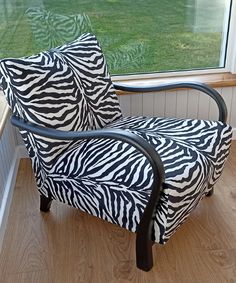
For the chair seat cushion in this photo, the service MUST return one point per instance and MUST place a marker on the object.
(112, 180)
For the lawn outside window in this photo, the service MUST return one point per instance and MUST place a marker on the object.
(144, 38)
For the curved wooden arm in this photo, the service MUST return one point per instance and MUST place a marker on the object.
(145, 227)
(191, 85)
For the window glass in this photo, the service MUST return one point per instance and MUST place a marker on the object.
(137, 36)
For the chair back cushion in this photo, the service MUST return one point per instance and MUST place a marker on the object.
(66, 88)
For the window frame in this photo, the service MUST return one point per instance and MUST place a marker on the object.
(230, 65)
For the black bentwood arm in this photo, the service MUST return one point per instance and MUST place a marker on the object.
(144, 258)
(189, 85)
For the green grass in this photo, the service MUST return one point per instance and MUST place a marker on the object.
(135, 35)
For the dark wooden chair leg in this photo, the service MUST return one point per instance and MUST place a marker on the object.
(210, 193)
(45, 203)
(144, 258)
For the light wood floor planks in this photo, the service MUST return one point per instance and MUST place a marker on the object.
(67, 246)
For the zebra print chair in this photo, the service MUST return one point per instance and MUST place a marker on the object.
(144, 174)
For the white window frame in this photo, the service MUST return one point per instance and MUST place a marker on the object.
(230, 62)
(231, 50)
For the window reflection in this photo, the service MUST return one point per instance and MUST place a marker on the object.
(137, 36)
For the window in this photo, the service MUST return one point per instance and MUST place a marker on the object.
(137, 36)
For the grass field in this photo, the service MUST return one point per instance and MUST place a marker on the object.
(136, 35)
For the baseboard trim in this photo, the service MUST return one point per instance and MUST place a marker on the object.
(22, 152)
(234, 133)
(8, 192)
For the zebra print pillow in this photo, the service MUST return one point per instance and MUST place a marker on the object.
(67, 88)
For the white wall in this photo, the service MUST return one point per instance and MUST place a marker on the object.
(8, 170)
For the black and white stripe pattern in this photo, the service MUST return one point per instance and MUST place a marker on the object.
(69, 88)
(50, 29)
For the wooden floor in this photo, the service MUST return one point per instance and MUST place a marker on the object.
(69, 246)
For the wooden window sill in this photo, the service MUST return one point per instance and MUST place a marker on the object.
(215, 80)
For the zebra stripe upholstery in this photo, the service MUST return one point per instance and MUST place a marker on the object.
(69, 88)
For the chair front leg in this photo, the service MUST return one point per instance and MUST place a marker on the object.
(45, 203)
(144, 257)
(145, 231)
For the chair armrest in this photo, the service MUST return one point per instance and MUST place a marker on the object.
(190, 85)
(146, 223)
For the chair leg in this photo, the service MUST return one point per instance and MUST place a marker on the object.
(45, 203)
(210, 193)
(144, 257)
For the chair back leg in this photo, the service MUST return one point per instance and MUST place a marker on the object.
(210, 193)
(45, 203)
